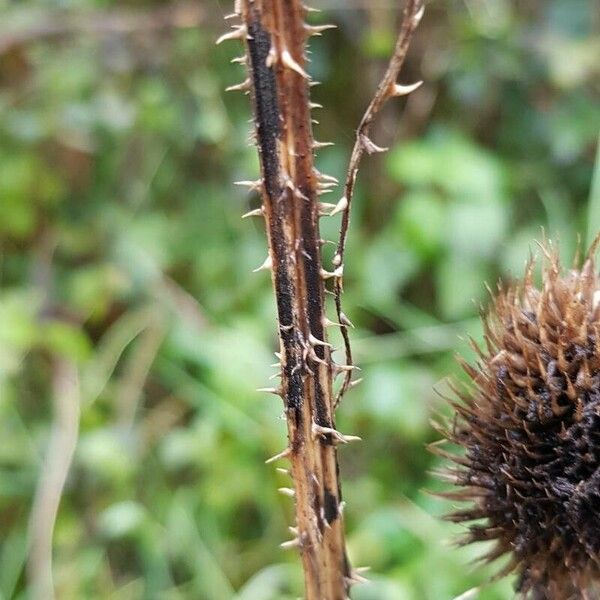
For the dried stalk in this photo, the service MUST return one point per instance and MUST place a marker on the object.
(275, 36)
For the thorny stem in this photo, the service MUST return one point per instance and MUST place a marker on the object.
(275, 35)
(387, 88)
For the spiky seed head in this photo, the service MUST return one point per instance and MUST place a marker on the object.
(530, 428)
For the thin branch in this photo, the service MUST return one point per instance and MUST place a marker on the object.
(388, 88)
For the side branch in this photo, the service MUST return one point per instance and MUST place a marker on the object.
(388, 88)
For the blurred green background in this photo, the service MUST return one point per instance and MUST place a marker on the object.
(125, 265)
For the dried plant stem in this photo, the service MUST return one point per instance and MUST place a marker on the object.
(275, 34)
(388, 88)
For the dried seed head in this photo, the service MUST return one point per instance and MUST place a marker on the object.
(530, 428)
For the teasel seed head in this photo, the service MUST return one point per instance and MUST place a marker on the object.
(530, 428)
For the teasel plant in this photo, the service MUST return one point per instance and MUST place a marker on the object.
(528, 426)
(275, 34)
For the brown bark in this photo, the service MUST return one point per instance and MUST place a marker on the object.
(275, 36)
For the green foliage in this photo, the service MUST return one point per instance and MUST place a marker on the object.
(122, 251)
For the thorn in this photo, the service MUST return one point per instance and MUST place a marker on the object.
(329, 323)
(232, 15)
(312, 105)
(321, 191)
(398, 89)
(240, 60)
(295, 543)
(317, 29)
(345, 320)
(290, 63)
(354, 383)
(369, 146)
(321, 144)
(298, 194)
(287, 491)
(324, 177)
(356, 575)
(417, 18)
(238, 33)
(240, 87)
(344, 368)
(257, 212)
(272, 57)
(315, 358)
(283, 471)
(313, 83)
(311, 9)
(340, 206)
(293, 530)
(318, 430)
(253, 186)
(283, 454)
(270, 390)
(325, 185)
(338, 272)
(267, 265)
(317, 342)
